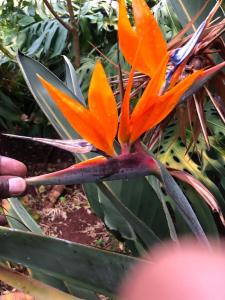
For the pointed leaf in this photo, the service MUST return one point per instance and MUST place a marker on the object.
(143, 231)
(19, 218)
(182, 204)
(72, 81)
(30, 68)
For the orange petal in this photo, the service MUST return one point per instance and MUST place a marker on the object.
(129, 40)
(160, 107)
(124, 128)
(102, 103)
(152, 89)
(154, 46)
(80, 118)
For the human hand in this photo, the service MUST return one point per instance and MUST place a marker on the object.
(186, 271)
(11, 173)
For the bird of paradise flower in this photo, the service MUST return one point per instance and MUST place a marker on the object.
(186, 55)
(101, 126)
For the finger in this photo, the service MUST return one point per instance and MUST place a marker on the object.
(10, 166)
(11, 186)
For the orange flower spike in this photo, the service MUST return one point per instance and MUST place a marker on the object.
(152, 89)
(154, 46)
(80, 118)
(124, 128)
(159, 107)
(129, 39)
(102, 104)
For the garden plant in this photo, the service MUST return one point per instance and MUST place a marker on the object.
(148, 152)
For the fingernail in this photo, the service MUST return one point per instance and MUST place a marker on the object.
(17, 185)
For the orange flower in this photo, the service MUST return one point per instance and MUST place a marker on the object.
(153, 45)
(146, 50)
(98, 123)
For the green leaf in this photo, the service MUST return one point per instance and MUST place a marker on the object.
(21, 212)
(148, 237)
(182, 204)
(202, 212)
(12, 217)
(19, 218)
(30, 68)
(72, 81)
(82, 266)
(113, 218)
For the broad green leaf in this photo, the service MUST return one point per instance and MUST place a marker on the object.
(79, 265)
(139, 195)
(46, 38)
(81, 293)
(59, 43)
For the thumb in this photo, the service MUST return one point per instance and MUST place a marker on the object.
(11, 186)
